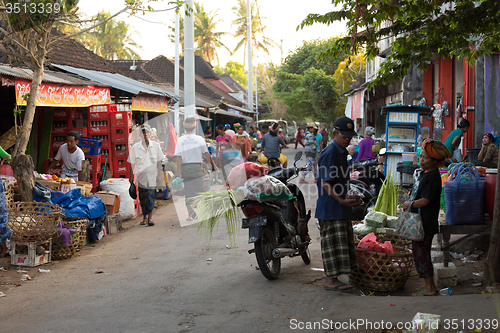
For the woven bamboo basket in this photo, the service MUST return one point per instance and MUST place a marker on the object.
(9, 195)
(382, 271)
(33, 221)
(8, 139)
(382, 237)
(61, 251)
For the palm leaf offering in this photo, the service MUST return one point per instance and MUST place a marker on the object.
(387, 201)
(211, 206)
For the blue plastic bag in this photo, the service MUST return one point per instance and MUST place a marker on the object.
(77, 206)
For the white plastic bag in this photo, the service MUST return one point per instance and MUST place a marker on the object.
(121, 186)
(267, 188)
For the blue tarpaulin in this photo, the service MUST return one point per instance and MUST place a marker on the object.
(77, 206)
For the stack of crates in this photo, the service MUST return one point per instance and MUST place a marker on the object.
(121, 127)
(62, 123)
(92, 149)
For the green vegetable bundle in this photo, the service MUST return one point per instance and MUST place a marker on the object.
(387, 201)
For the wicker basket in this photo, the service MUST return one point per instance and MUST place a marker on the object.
(9, 195)
(382, 237)
(382, 271)
(60, 251)
(33, 221)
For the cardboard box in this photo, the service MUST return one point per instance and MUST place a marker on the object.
(111, 200)
(113, 223)
(85, 188)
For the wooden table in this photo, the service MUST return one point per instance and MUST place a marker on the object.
(447, 230)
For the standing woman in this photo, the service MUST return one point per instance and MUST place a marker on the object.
(455, 137)
(241, 142)
(365, 146)
(298, 137)
(425, 199)
(223, 142)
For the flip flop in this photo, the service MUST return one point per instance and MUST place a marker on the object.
(337, 287)
(151, 223)
(418, 293)
(144, 222)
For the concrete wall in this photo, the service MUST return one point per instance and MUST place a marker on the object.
(491, 94)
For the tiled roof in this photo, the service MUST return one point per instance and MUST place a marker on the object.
(221, 85)
(203, 68)
(232, 83)
(162, 70)
(69, 53)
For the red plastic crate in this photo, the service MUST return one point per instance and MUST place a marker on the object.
(62, 130)
(121, 175)
(120, 165)
(106, 143)
(109, 164)
(68, 113)
(53, 153)
(121, 119)
(95, 163)
(57, 170)
(99, 127)
(100, 112)
(120, 134)
(55, 145)
(82, 131)
(120, 153)
(94, 179)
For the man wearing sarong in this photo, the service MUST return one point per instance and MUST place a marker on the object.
(333, 209)
(146, 156)
(189, 153)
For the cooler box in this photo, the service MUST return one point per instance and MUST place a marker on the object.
(489, 190)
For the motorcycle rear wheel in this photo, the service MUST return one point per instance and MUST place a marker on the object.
(269, 266)
(306, 256)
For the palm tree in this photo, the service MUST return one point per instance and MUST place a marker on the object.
(111, 40)
(259, 41)
(204, 33)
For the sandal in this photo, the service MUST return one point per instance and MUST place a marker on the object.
(144, 222)
(419, 293)
(340, 287)
(151, 223)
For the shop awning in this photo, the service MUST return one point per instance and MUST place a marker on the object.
(120, 82)
(197, 116)
(238, 108)
(355, 106)
(230, 114)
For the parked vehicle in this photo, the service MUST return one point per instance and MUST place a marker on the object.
(274, 226)
(291, 131)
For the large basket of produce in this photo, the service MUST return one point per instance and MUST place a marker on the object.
(33, 221)
(69, 238)
(382, 270)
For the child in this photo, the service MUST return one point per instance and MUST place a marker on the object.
(223, 141)
(241, 142)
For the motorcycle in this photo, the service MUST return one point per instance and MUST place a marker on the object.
(369, 183)
(278, 229)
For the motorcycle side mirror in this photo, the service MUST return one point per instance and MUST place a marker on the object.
(382, 151)
(349, 157)
(298, 156)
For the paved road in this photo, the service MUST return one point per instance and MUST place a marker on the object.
(168, 278)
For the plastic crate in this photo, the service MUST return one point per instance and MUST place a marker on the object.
(82, 131)
(100, 112)
(57, 170)
(68, 113)
(121, 119)
(94, 163)
(63, 130)
(90, 146)
(106, 143)
(120, 166)
(120, 134)
(55, 145)
(99, 127)
(124, 174)
(120, 150)
(25, 253)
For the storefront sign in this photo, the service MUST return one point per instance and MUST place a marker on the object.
(52, 94)
(150, 103)
(403, 117)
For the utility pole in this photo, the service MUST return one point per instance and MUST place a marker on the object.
(176, 77)
(281, 56)
(256, 99)
(249, 44)
(189, 70)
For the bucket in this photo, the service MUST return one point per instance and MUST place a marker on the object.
(489, 190)
(472, 153)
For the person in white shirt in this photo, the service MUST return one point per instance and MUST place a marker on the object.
(189, 153)
(146, 157)
(72, 157)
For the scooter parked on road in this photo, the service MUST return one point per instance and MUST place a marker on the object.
(278, 229)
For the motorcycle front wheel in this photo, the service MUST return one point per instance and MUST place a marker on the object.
(269, 266)
(306, 256)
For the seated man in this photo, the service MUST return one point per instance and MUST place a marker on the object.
(72, 157)
(271, 146)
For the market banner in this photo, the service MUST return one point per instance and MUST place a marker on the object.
(53, 94)
(150, 103)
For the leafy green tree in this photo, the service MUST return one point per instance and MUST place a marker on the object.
(259, 40)
(348, 71)
(419, 28)
(266, 94)
(236, 70)
(302, 73)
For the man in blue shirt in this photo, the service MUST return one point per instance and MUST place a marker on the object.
(333, 208)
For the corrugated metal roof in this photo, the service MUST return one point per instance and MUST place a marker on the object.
(231, 114)
(237, 108)
(48, 76)
(120, 82)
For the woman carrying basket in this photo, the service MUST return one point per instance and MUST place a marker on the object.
(425, 199)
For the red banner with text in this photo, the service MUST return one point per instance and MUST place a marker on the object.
(150, 103)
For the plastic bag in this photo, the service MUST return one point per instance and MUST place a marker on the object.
(363, 228)
(391, 221)
(241, 173)
(375, 219)
(121, 186)
(267, 188)
(369, 243)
